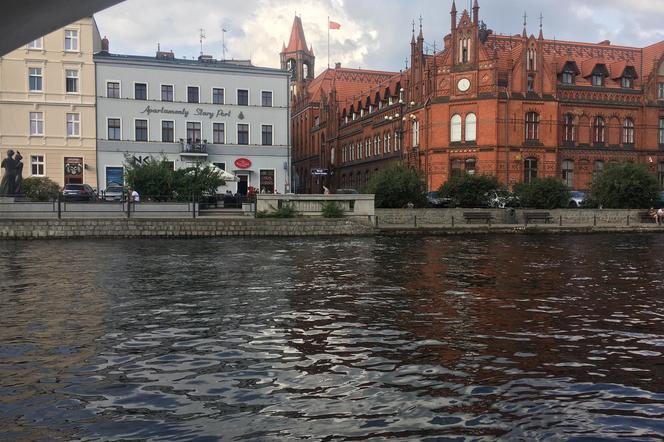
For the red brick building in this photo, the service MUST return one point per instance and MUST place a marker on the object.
(516, 107)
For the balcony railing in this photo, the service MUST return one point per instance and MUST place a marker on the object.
(195, 147)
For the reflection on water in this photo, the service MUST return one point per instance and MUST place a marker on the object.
(374, 338)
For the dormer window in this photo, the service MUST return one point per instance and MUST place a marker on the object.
(627, 82)
(598, 75)
(598, 79)
(568, 77)
(569, 72)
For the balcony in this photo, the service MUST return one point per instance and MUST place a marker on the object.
(194, 148)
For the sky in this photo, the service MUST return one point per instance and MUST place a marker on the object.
(374, 34)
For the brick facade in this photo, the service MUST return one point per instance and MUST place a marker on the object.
(515, 107)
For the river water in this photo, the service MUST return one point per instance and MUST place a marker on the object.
(512, 337)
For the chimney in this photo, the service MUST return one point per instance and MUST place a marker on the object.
(104, 44)
(337, 65)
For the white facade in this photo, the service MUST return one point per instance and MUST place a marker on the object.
(232, 115)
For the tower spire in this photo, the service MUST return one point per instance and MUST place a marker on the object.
(525, 24)
(541, 33)
(421, 36)
(453, 13)
(476, 13)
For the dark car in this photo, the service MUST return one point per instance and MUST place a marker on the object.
(659, 202)
(434, 200)
(79, 193)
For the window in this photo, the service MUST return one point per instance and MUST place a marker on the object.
(242, 97)
(167, 92)
(661, 131)
(455, 136)
(219, 133)
(266, 99)
(221, 166)
(599, 130)
(167, 131)
(192, 94)
(377, 150)
(397, 141)
(266, 181)
(35, 79)
(569, 128)
(627, 82)
(36, 123)
(71, 81)
(628, 131)
(532, 126)
(114, 175)
(471, 166)
(266, 135)
(598, 168)
(532, 59)
(73, 125)
(531, 83)
(530, 170)
(386, 143)
(37, 165)
(113, 89)
(598, 79)
(140, 91)
(243, 134)
(471, 127)
(217, 96)
(660, 91)
(568, 77)
(568, 173)
(36, 44)
(141, 133)
(114, 129)
(194, 132)
(660, 175)
(457, 167)
(71, 40)
(416, 133)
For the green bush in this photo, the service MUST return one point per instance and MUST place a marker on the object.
(202, 180)
(625, 186)
(285, 211)
(545, 193)
(470, 190)
(332, 210)
(397, 186)
(40, 188)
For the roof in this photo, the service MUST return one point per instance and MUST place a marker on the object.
(297, 41)
(348, 83)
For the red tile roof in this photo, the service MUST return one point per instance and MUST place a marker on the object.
(297, 40)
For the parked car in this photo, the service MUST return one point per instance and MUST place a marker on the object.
(79, 192)
(502, 199)
(114, 192)
(346, 192)
(659, 203)
(576, 199)
(434, 200)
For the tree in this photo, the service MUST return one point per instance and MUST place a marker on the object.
(200, 180)
(152, 177)
(398, 186)
(470, 190)
(543, 193)
(40, 188)
(625, 186)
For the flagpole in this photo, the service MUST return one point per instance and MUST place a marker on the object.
(328, 42)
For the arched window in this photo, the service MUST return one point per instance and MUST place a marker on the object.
(660, 175)
(568, 173)
(397, 141)
(464, 50)
(530, 170)
(377, 146)
(367, 148)
(471, 127)
(570, 128)
(599, 130)
(416, 133)
(598, 168)
(386, 142)
(628, 131)
(471, 166)
(532, 126)
(532, 59)
(457, 165)
(455, 135)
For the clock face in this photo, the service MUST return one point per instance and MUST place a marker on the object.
(463, 85)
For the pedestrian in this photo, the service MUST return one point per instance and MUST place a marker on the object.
(326, 191)
(135, 197)
(660, 215)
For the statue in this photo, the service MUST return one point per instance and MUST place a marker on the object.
(8, 183)
(19, 174)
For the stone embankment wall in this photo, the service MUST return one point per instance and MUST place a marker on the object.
(387, 218)
(159, 228)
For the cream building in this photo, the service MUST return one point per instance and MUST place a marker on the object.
(47, 104)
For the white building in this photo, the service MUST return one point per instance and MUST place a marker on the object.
(228, 113)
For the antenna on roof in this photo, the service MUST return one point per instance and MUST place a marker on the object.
(158, 47)
(202, 37)
(223, 42)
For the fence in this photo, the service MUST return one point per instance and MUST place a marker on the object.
(61, 209)
(356, 206)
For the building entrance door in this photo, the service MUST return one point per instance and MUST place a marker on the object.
(243, 185)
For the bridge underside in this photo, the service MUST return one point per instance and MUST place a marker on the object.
(25, 20)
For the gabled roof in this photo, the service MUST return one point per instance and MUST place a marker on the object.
(297, 40)
(348, 83)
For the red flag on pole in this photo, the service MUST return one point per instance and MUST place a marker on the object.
(334, 25)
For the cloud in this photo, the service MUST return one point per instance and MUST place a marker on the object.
(374, 34)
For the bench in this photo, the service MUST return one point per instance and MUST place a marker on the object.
(478, 216)
(645, 217)
(537, 216)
